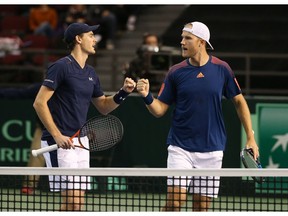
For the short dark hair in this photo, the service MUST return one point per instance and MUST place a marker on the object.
(146, 35)
(70, 45)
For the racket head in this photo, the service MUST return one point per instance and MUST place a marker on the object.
(247, 158)
(103, 132)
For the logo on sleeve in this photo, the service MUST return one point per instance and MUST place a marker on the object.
(90, 79)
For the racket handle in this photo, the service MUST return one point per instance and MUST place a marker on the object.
(37, 152)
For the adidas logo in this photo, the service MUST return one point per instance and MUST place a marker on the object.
(200, 75)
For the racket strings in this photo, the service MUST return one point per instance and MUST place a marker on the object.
(103, 132)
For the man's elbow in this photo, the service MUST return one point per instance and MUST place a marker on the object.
(157, 114)
(36, 105)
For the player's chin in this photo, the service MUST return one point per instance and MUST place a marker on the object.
(93, 51)
(185, 54)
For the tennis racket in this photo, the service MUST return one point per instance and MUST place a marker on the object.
(247, 158)
(103, 132)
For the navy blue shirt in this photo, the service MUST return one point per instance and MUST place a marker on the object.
(74, 87)
(197, 92)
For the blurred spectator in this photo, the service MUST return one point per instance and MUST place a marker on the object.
(151, 40)
(140, 66)
(10, 45)
(76, 13)
(43, 20)
(122, 13)
(126, 16)
(133, 12)
(103, 15)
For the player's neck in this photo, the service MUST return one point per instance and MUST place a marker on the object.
(80, 58)
(200, 59)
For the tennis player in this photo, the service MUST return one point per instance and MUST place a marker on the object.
(62, 104)
(197, 136)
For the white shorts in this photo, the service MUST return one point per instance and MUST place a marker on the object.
(68, 158)
(179, 158)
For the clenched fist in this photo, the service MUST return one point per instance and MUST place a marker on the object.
(128, 85)
(143, 87)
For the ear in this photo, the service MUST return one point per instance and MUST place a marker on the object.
(202, 43)
(78, 39)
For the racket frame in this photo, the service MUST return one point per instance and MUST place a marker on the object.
(257, 163)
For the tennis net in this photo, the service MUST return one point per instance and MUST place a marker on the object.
(145, 189)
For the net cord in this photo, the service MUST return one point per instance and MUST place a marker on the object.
(228, 172)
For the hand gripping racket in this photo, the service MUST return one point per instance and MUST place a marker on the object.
(103, 132)
(248, 161)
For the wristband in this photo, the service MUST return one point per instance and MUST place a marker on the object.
(120, 96)
(148, 99)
